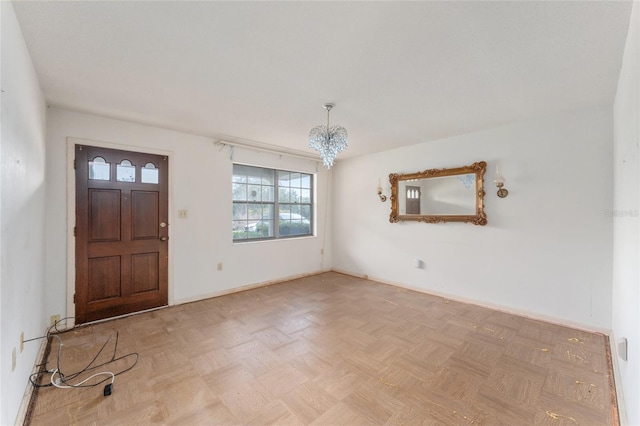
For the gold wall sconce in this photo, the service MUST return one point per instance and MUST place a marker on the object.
(499, 181)
(383, 198)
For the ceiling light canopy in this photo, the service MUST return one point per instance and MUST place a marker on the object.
(328, 140)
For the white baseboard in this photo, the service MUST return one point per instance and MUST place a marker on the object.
(28, 392)
(508, 310)
(615, 358)
(246, 287)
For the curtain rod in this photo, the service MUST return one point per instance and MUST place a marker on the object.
(268, 148)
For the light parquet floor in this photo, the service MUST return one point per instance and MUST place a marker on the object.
(335, 350)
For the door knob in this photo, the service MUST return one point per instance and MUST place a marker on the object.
(164, 238)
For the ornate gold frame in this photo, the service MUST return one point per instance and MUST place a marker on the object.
(480, 218)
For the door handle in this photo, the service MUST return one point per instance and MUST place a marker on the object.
(164, 238)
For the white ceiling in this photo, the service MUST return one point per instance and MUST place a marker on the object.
(400, 73)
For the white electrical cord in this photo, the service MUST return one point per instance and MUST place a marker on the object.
(53, 381)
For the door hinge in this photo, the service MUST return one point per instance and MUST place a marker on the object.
(74, 163)
(74, 298)
(75, 231)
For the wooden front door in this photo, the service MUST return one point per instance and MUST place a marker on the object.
(413, 199)
(121, 232)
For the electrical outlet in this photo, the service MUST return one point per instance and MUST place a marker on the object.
(54, 319)
(21, 341)
(220, 266)
(13, 359)
(622, 348)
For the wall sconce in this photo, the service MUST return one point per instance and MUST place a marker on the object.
(383, 198)
(499, 181)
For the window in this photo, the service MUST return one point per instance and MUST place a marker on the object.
(99, 169)
(149, 174)
(125, 171)
(270, 203)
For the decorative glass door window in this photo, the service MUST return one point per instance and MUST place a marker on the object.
(149, 173)
(99, 169)
(125, 172)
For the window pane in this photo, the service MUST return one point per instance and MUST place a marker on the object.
(263, 229)
(99, 169)
(240, 234)
(291, 222)
(295, 180)
(267, 211)
(284, 213)
(149, 174)
(254, 193)
(304, 228)
(294, 195)
(239, 211)
(295, 210)
(305, 212)
(283, 195)
(283, 178)
(267, 193)
(239, 192)
(268, 179)
(254, 211)
(305, 196)
(125, 172)
(239, 225)
(306, 181)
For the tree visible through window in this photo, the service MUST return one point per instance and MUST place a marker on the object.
(270, 203)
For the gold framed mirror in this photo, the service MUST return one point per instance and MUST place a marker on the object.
(439, 195)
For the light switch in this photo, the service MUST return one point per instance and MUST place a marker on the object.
(182, 214)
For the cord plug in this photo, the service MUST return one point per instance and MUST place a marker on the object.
(108, 389)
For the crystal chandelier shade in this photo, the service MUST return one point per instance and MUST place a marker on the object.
(328, 140)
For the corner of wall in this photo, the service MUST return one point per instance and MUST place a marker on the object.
(22, 214)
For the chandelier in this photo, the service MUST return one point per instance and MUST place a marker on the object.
(328, 140)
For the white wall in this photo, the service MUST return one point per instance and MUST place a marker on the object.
(22, 213)
(626, 224)
(200, 182)
(547, 247)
